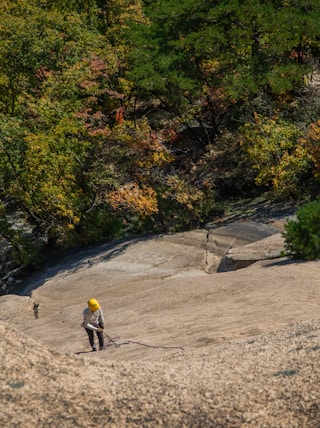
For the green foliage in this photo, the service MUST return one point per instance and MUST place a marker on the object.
(181, 204)
(93, 95)
(100, 224)
(63, 100)
(35, 42)
(302, 237)
(228, 167)
(204, 59)
(276, 155)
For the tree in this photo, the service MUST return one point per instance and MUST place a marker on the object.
(46, 61)
(69, 158)
(302, 239)
(275, 153)
(204, 60)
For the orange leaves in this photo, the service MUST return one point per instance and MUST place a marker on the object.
(312, 142)
(153, 153)
(145, 149)
(314, 132)
(98, 67)
(134, 199)
(119, 115)
(43, 73)
(144, 152)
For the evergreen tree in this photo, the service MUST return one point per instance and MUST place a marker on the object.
(205, 59)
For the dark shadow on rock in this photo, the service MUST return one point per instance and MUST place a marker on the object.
(258, 210)
(283, 262)
(229, 265)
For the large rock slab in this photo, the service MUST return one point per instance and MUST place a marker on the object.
(229, 349)
(222, 240)
(269, 248)
(155, 256)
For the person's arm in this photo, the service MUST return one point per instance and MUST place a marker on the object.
(90, 326)
(101, 319)
(86, 321)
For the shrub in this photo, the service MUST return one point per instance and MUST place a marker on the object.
(302, 236)
(278, 159)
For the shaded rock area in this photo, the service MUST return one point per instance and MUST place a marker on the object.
(269, 248)
(236, 348)
(164, 255)
(12, 272)
(262, 212)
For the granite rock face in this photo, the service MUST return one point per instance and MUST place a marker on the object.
(268, 248)
(238, 348)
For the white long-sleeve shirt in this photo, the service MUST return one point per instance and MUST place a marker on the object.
(92, 319)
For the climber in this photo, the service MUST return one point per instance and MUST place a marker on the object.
(93, 321)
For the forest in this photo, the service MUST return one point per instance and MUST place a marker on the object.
(128, 117)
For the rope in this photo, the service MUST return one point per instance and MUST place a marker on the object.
(128, 341)
(156, 346)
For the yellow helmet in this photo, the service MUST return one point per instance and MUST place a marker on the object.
(93, 305)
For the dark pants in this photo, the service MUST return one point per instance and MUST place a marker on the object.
(91, 337)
